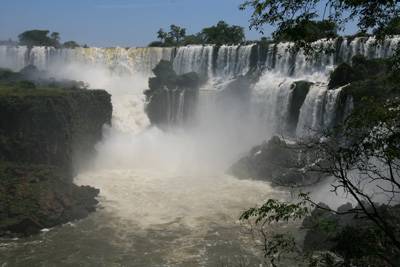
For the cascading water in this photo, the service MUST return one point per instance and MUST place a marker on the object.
(195, 58)
(312, 111)
(165, 200)
(233, 61)
(164, 195)
(283, 66)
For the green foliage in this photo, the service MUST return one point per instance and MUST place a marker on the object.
(306, 31)
(276, 211)
(70, 44)
(177, 33)
(392, 28)
(394, 62)
(342, 75)
(368, 78)
(193, 39)
(360, 245)
(156, 44)
(26, 85)
(39, 38)
(175, 37)
(288, 15)
(162, 35)
(223, 33)
(219, 34)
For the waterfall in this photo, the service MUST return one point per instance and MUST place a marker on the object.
(331, 102)
(270, 96)
(318, 111)
(233, 61)
(271, 101)
(13, 57)
(311, 113)
(181, 106)
(195, 58)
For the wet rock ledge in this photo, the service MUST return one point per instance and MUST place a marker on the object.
(44, 133)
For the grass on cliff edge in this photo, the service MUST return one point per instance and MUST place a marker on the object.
(26, 89)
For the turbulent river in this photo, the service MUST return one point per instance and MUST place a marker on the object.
(165, 199)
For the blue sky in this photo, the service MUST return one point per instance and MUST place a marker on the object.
(117, 22)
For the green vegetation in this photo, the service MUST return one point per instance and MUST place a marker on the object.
(47, 128)
(221, 33)
(41, 38)
(376, 78)
(295, 20)
(392, 28)
(362, 153)
(364, 150)
(70, 44)
(306, 31)
(360, 69)
(32, 81)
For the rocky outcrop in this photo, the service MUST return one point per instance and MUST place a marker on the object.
(172, 98)
(49, 127)
(350, 234)
(45, 133)
(33, 197)
(279, 162)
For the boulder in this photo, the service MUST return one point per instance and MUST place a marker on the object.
(279, 162)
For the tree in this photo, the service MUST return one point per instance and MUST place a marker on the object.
(55, 38)
(219, 34)
(193, 39)
(307, 31)
(287, 14)
(39, 38)
(364, 156)
(177, 33)
(223, 33)
(162, 35)
(392, 28)
(70, 44)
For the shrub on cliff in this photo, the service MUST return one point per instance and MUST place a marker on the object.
(70, 44)
(392, 28)
(342, 75)
(307, 31)
(39, 38)
(361, 69)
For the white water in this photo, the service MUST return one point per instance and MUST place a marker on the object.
(157, 184)
(165, 183)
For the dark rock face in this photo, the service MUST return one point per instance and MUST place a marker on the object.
(360, 69)
(44, 135)
(342, 75)
(281, 163)
(55, 129)
(299, 93)
(352, 236)
(172, 98)
(33, 197)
